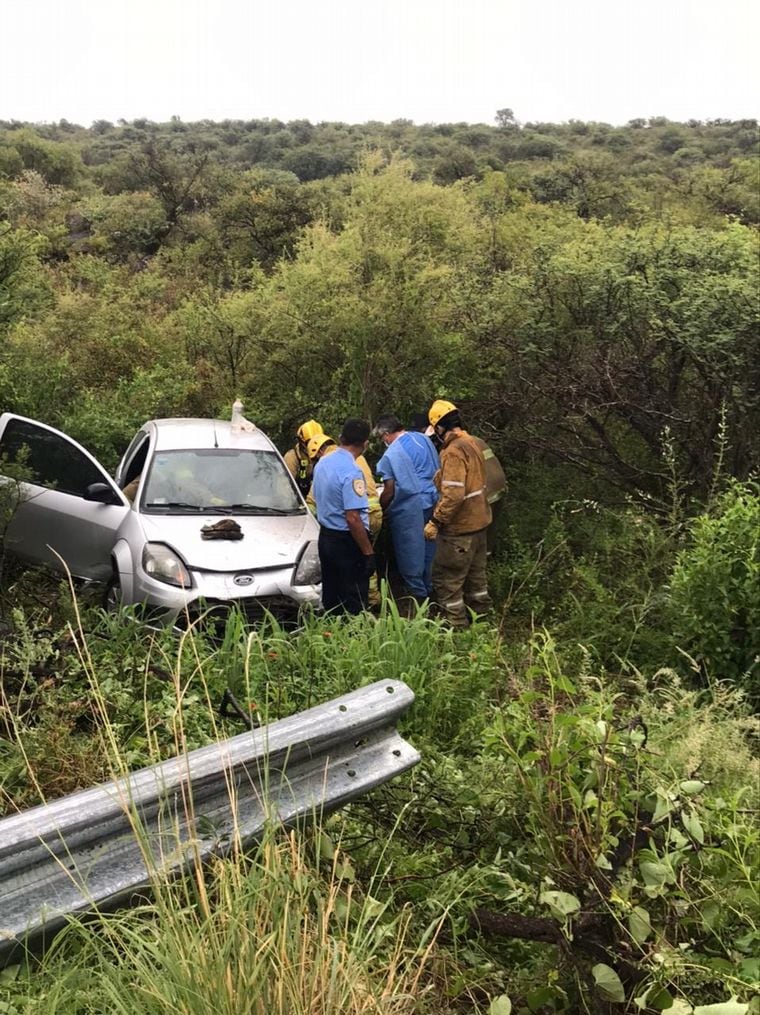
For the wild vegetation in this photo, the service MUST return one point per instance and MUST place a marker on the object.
(581, 832)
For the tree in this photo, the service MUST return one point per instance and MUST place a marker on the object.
(262, 218)
(505, 119)
(359, 321)
(178, 177)
(627, 353)
(59, 163)
(24, 290)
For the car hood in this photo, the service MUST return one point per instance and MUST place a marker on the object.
(267, 541)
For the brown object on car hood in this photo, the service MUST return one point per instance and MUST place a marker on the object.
(225, 528)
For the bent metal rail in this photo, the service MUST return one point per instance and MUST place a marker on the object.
(97, 848)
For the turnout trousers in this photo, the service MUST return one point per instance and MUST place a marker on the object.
(345, 584)
(459, 576)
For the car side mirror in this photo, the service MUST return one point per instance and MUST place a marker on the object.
(101, 493)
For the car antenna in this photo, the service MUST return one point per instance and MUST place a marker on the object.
(216, 442)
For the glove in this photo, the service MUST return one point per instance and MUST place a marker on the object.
(370, 565)
(431, 530)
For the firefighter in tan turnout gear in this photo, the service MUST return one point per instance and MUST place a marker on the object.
(297, 458)
(460, 520)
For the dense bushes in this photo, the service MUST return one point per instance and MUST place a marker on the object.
(715, 591)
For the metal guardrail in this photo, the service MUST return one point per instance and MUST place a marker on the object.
(98, 848)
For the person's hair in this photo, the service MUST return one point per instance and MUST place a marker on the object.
(419, 422)
(387, 424)
(354, 432)
(450, 420)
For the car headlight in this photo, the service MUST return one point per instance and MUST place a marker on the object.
(308, 570)
(164, 565)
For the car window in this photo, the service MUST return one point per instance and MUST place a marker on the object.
(52, 460)
(136, 463)
(219, 478)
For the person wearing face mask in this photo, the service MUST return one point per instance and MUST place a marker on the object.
(409, 495)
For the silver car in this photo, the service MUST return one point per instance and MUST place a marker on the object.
(183, 475)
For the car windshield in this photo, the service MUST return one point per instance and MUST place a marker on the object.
(219, 480)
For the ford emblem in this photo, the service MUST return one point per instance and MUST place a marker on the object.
(243, 579)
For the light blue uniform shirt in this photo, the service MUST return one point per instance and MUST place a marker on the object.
(411, 461)
(338, 486)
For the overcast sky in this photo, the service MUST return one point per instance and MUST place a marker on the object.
(354, 60)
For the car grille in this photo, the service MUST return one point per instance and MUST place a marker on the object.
(254, 610)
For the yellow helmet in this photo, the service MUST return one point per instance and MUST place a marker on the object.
(308, 430)
(439, 409)
(315, 445)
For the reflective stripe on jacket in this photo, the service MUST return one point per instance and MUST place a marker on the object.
(496, 480)
(463, 507)
(300, 469)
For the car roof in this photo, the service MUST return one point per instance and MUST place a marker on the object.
(183, 434)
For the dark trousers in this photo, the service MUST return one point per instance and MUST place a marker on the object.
(345, 583)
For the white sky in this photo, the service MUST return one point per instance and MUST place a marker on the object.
(355, 60)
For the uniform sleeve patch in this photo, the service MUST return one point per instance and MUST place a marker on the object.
(360, 487)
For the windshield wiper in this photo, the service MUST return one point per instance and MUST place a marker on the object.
(255, 509)
(173, 504)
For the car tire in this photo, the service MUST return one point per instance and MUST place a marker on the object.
(112, 599)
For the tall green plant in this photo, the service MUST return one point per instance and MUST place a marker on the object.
(715, 591)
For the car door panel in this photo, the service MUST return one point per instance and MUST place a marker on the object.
(52, 519)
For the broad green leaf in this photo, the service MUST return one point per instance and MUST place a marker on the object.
(676, 838)
(326, 846)
(345, 871)
(590, 799)
(691, 786)
(732, 1007)
(637, 737)
(664, 804)
(655, 875)
(693, 826)
(750, 969)
(608, 983)
(372, 908)
(500, 1006)
(679, 1007)
(561, 904)
(639, 925)
(540, 996)
(660, 999)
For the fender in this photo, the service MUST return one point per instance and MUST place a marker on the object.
(121, 555)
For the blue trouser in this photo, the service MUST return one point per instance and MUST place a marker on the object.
(413, 559)
(344, 573)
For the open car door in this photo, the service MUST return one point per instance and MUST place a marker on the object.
(62, 502)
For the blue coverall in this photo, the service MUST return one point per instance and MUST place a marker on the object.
(411, 461)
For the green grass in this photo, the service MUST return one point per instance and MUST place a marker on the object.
(533, 765)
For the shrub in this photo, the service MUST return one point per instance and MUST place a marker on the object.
(715, 591)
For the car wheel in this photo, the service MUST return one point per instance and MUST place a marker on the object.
(112, 598)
